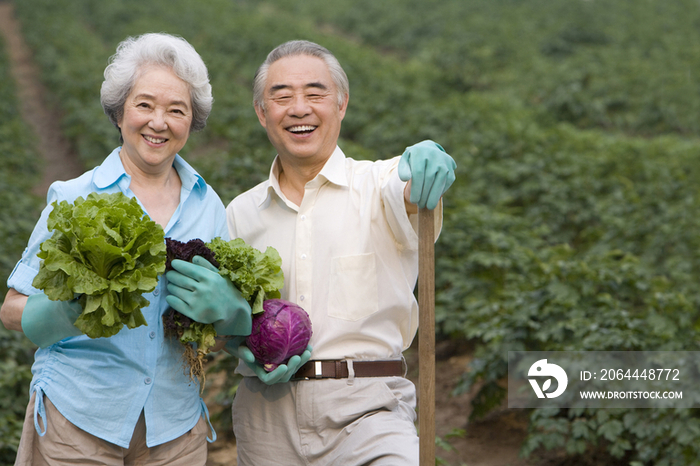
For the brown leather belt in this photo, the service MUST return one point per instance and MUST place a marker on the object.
(337, 369)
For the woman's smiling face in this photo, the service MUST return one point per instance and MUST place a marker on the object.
(156, 120)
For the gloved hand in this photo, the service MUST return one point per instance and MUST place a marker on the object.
(431, 171)
(46, 322)
(199, 292)
(282, 373)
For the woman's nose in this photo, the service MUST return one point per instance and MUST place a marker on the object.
(158, 122)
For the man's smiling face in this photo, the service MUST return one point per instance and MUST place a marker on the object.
(301, 112)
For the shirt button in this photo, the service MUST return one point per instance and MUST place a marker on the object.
(152, 335)
(303, 256)
(303, 217)
(156, 292)
(147, 381)
(301, 298)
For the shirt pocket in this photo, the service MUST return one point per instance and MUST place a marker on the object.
(353, 292)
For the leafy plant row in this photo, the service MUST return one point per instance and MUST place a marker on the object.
(18, 209)
(622, 66)
(569, 241)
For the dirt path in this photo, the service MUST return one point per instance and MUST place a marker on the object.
(59, 162)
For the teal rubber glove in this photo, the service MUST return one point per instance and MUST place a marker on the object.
(282, 373)
(199, 292)
(46, 322)
(431, 171)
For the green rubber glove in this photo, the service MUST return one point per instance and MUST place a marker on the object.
(46, 322)
(282, 373)
(431, 171)
(199, 292)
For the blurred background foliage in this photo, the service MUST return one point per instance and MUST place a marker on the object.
(18, 212)
(573, 223)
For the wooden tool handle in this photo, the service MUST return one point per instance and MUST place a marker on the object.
(426, 342)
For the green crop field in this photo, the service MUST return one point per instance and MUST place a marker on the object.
(575, 218)
(18, 212)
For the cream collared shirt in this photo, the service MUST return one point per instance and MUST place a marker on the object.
(349, 254)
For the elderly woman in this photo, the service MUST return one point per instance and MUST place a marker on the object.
(125, 399)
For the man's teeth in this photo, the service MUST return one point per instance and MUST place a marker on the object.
(301, 129)
(154, 140)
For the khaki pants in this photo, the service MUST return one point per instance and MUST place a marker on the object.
(65, 444)
(369, 421)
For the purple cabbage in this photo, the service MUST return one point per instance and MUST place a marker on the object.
(281, 331)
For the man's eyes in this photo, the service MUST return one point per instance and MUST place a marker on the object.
(309, 97)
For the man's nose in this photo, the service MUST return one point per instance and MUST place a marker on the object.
(300, 106)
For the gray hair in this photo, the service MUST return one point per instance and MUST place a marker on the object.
(176, 53)
(295, 48)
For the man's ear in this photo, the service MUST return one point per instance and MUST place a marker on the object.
(260, 112)
(344, 106)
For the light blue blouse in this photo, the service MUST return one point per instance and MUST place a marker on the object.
(102, 385)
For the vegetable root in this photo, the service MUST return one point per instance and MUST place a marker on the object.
(193, 361)
(190, 334)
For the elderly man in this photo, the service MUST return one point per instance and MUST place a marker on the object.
(346, 232)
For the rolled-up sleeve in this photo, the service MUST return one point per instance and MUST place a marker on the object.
(26, 269)
(403, 226)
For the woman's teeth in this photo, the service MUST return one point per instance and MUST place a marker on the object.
(154, 140)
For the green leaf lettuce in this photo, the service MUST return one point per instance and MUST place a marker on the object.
(257, 275)
(107, 252)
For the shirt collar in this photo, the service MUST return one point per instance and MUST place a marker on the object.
(112, 172)
(333, 171)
